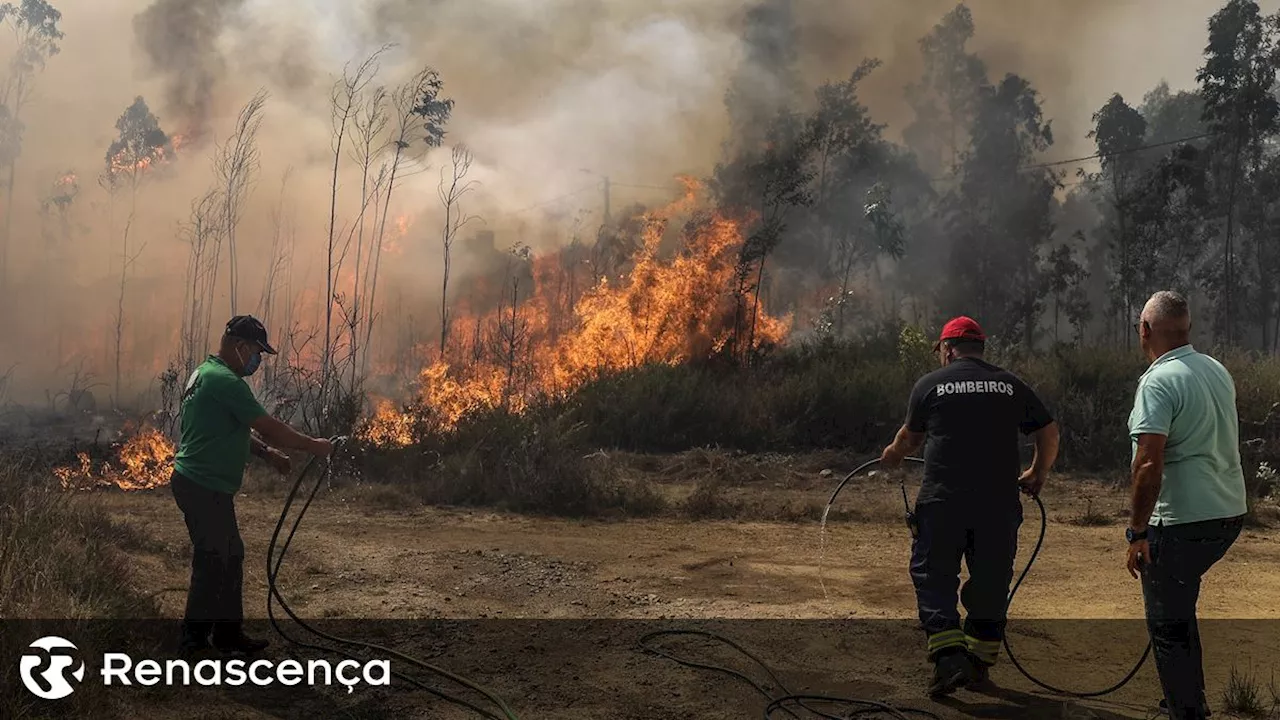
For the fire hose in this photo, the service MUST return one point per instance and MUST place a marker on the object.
(870, 707)
(273, 570)
(1044, 522)
(777, 703)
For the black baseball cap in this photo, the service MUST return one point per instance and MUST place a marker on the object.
(247, 327)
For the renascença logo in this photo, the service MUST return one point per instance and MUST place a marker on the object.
(44, 671)
(45, 668)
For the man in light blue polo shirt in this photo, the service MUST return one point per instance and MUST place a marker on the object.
(1188, 492)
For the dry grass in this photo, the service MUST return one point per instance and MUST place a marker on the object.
(1092, 516)
(1264, 514)
(1244, 695)
(385, 498)
(60, 558)
(700, 484)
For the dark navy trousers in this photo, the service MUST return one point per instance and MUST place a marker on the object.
(215, 595)
(985, 537)
(1180, 556)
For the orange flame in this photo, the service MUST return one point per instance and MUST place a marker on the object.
(663, 311)
(158, 156)
(145, 460)
(388, 427)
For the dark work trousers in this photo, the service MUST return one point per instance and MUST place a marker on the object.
(215, 597)
(985, 536)
(1180, 556)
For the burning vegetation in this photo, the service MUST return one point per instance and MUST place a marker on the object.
(143, 462)
(664, 310)
(814, 225)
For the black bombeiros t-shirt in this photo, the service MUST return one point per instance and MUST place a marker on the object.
(972, 413)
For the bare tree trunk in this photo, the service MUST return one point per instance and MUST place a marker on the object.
(847, 263)
(755, 308)
(267, 303)
(1275, 333)
(125, 262)
(511, 345)
(17, 102)
(1227, 260)
(418, 106)
(1264, 293)
(8, 225)
(370, 124)
(372, 282)
(342, 103)
(236, 163)
(1057, 300)
(119, 329)
(1126, 300)
(454, 219)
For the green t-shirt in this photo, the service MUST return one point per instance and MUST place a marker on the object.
(218, 407)
(1191, 399)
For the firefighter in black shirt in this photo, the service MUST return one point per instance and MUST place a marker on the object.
(971, 413)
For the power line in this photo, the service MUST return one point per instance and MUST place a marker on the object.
(1118, 152)
(643, 187)
(1096, 156)
(579, 191)
(1036, 166)
(551, 201)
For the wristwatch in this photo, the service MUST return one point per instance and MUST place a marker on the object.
(1134, 537)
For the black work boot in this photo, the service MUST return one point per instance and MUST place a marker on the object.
(952, 669)
(1204, 707)
(229, 638)
(981, 678)
(194, 647)
(195, 638)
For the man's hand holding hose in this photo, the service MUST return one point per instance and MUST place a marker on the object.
(1033, 478)
(321, 447)
(904, 443)
(278, 434)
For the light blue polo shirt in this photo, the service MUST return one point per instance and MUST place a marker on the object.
(1190, 398)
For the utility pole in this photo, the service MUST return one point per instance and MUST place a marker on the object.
(607, 215)
(606, 199)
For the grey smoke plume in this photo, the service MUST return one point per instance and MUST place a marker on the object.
(179, 39)
(545, 89)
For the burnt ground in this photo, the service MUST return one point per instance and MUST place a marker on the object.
(547, 612)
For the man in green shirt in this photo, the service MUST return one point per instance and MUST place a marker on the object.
(218, 411)
(1188, 492)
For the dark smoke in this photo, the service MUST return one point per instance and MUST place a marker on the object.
(179, 39)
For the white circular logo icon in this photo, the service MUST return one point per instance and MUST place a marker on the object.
(44, 667)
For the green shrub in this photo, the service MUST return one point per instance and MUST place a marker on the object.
(844, 396)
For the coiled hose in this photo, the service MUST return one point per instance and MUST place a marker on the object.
(273, 570)
(786, 699)
(862, 707)
(777, 703)
(1044, 522)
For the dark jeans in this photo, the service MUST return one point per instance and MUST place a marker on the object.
(986, 538)
(215, 596)
(1180, 556)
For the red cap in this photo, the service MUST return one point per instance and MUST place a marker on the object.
(961, 328)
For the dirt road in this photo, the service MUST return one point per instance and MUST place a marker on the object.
(577, 595)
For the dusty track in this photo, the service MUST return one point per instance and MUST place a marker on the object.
(351, 561)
